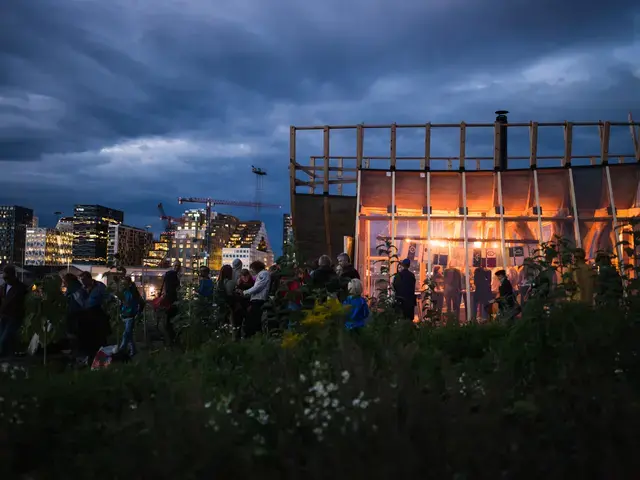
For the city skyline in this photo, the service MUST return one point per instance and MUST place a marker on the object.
(129, 105)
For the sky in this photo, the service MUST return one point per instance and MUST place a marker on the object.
(131, 103)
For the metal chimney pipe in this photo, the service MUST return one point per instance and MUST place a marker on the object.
(501, 117)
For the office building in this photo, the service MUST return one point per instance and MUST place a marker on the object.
(248, 243)
(14, 221)
(189, 241)
(287, 234)
(91, 233)
(158, 256)
(128, 245)
(65, 224)
(48, 247)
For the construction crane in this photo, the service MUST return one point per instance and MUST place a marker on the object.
(209, 204)
(260, 174)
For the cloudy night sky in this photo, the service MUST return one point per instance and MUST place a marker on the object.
(130, 103)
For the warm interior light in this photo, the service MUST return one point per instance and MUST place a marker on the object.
(477, 244)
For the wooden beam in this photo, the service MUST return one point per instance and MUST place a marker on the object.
(313, 168)
(496, 145)
(605, 130)
(325, 192)
(393, 147)
(340, 164)
(306, 170)
(568, 140)
(634, 138)
(359, 146)
(533, 144)
(292, 176)
(426, 163)
(463, 141)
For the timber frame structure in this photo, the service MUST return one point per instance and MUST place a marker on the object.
(570, 192)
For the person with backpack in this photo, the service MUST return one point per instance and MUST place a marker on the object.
(132, 305)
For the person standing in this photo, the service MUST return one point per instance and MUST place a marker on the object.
(12, 309)
(404, 285)
(130, 309)
(258, 295)
(94, 327)
(482, 295)
(347, 270)
(169, 289)
(507, 304)
(453, 290)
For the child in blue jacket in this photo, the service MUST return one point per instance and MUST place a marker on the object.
(358, 314)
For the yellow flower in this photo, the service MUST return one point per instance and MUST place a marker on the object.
(315, 318)
(290, 340)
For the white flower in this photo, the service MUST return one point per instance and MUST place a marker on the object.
(345, 376)
(334, 403)
(303, 378)
(133, 406)
(207, 405)
(356, 402)
(364, 404)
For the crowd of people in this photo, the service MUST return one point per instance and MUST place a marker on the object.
(240, 295)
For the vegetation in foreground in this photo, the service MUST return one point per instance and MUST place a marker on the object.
(555, 395)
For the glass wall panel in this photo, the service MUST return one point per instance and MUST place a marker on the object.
(553, 188)
(376, 231)
(597, 236)
(375, 192)
(591, 192)
(517, 192)
(445, 193)
(411, 193)
(481, 193)
(484, 259)
(624, 182)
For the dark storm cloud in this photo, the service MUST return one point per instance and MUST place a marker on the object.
(131, 103)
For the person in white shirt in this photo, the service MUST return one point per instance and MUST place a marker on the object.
(258, 295)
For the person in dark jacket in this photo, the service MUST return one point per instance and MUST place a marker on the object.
(404, 285)
(347, 270)
(324, 276)
(12, 310)
(507, 305)
(94, 326)
(482, 295)
(205, 286)
(169, 291)
(131, 307)
(76, 299)
(452, 290)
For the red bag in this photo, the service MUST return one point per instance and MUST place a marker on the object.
(160, 303)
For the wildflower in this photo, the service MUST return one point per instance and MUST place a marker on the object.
(303, 378)
(345, 376)
(290, 340)
(133, 406)
(207, 405)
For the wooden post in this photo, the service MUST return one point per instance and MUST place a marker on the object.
(359, 146)
(325, 193)
(616, 227)
(574, 206)
(292, 176)
(467, 270)
(568, 139)
(634, 138)
(605, 130)
(536, 192)
(429, 222)
(356, 238)
(426, 163)
(340, 166)
(533, 140)
(502, 226)
(463, 139)
(393, 147)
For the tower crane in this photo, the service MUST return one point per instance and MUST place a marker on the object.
(260, 174)
(210, 203)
